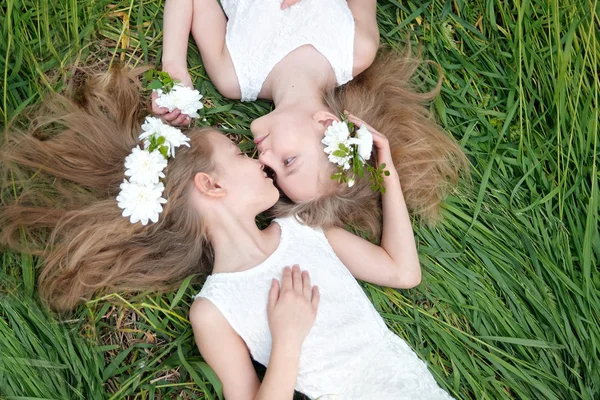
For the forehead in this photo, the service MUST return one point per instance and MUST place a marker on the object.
(220, 141)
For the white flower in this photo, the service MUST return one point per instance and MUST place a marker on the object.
(364, 141)
(351, 181)
(183, 98)
(173, 136)
(141, 203)
(335, 135)
(143, 167)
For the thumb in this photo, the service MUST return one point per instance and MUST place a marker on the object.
(273, 295)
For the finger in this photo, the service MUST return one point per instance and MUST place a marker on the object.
(359, 122)
(378, 137)
(297, 279)
(171, 116)
(188, 120)
(286, 280)
(156, 109)
(316, 297)
(179, 120)
(284, 5)
(273, 295)
(306, 284)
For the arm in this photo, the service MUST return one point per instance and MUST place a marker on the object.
(227, 354)
(209, 27)
(291, 310)
(366, 33)
(223, 350)
(395, 263)
(177, 24)
(207, 23)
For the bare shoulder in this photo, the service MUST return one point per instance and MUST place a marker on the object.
(204, 314)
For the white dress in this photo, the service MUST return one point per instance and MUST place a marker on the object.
(259, 34)
(349, 353)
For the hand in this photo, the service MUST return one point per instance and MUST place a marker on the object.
(288, 3)
(174, 117)
(292, 309)
(381, 143)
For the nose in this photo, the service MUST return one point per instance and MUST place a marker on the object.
(262, 157)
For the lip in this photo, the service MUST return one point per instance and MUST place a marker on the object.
(259, 140)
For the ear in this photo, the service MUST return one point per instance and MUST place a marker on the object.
(207, 185)
(325, 118)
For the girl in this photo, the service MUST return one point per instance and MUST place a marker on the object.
(296, 56)
(214, 193)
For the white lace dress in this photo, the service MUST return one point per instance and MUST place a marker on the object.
(349, 353)
(259, 34)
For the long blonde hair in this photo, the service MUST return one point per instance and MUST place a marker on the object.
(68, 164)
(428, 160)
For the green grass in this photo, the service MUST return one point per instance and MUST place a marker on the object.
(510, 303)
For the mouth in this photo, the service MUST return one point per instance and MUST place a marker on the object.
(259, 140)
(269, 173)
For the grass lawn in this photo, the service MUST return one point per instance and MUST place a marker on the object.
(510, 302)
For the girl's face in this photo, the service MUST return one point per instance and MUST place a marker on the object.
(243, 178)
(290, 145)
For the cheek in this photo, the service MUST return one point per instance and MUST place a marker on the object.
(289, 143)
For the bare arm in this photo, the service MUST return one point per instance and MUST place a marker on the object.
(366, 33)
(177, 25)
(207, 23)
(395, 263)
(209, 27)
(291, 310)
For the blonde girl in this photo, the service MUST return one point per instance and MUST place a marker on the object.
(325, 341)
(316, 59)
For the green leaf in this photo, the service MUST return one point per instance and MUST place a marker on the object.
(155, 84)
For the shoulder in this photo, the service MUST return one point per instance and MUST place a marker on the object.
(204, 314)
(337, 234)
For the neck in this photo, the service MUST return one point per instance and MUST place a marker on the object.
(297, 84)
(237, 242)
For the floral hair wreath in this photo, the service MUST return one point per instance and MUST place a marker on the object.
(350, 148)
(140, 197)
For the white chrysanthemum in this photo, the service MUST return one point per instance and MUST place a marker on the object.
(183, 98)
(141, 203)
(145, 168)
(173, 136)
(364, 141)
(335, 135)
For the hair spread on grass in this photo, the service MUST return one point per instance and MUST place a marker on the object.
(63, 171)
(428, 160)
